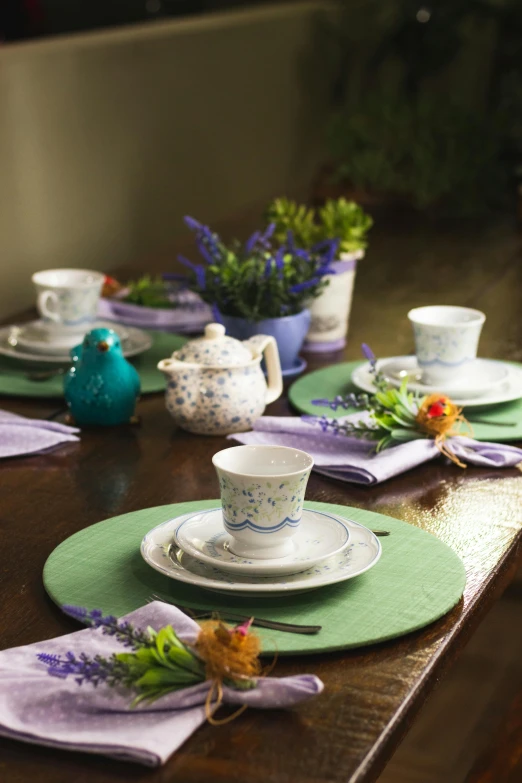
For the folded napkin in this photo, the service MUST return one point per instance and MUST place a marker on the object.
(19, 435)
(38, 708)
(190, 315)
(352, 459)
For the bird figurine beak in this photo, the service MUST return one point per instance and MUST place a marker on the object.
(103, 346)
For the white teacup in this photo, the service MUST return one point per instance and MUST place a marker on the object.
(67, 299)
(446, 341)
(262, 494)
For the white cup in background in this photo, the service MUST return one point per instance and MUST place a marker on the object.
(446, 341)
(262, 494)
(67, 299)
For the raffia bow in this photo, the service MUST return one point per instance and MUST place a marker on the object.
(231, 656)
(441, 419)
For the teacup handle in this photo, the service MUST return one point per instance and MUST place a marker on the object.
(43, 300)
(267, 345)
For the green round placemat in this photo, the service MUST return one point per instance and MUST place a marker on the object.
(14, 381)
(506, 419)
(417, 580)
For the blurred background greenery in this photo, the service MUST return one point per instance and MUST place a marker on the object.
(426, 102)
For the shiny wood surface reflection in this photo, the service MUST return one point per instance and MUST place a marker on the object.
(371, 695)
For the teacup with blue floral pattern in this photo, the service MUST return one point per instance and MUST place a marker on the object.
(67, 299)
(446, 341)
(262, 494)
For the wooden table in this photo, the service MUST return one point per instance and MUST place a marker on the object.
(372, 694)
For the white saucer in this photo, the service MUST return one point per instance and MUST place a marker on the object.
(505, 381)
(483, 376)
(158, 550)
(319, 536)
(35, 337)
(136, 341)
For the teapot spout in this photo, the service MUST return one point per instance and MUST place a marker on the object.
(168, 367)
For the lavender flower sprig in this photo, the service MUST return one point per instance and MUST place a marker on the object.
(393, 412)
(159, 664)
(345, 403)
(85, 669)
(124, 632)
(359, 429)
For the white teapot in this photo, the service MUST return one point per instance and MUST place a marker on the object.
(216, 385)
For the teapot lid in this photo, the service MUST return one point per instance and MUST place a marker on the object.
(214, 348)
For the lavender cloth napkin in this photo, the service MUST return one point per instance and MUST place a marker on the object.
(19, 435)
(351, 459)
(191, 315)
(44, 710)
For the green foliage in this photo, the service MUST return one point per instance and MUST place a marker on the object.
(287, 216)
(255, 288)
(426, 151)
(345, 220)
(394, 413)
(164, 666)
(338, 219)
(149, 292)
(450, 150)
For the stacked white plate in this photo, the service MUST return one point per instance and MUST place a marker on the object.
(33, 342)
(195, 548)
(487, 382)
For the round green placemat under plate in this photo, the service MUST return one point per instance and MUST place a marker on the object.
(14, 381)
(417, 580)
(336, 380)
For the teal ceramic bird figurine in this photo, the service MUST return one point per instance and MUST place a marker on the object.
(102, 387)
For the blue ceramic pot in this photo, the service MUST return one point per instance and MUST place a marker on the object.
(289, 332)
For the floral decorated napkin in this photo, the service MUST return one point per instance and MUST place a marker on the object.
(19, 436)
(50, 710)
(354, 460)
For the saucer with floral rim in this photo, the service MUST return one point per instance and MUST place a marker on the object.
(499, 381)
(133, 342)
(160, 551)
(318, 537)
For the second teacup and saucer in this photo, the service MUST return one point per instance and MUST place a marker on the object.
(67, 302)
(445, 361)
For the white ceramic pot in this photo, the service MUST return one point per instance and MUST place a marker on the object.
(331, 310)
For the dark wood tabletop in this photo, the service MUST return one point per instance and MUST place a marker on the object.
(371, 695)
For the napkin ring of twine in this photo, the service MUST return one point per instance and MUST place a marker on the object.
(441, 419)
(231, 656)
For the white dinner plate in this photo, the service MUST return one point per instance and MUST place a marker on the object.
(506, 388)
(160, 551)
(135, 341)
(318, 537)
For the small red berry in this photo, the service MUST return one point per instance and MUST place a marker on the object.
(435, 410)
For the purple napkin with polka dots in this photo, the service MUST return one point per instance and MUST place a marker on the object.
(44, 710)
(19, 436)
(354, 460)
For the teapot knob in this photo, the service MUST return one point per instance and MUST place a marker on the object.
(214, 331)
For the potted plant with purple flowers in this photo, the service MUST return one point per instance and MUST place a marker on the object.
(261, 287)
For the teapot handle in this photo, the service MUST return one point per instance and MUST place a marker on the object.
(268, 345)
